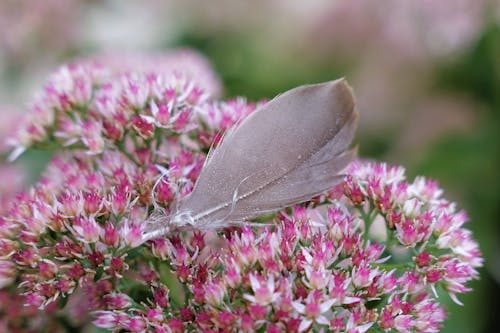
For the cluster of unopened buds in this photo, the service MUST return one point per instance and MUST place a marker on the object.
(374, 254)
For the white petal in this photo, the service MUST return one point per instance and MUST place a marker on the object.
(249, 298)
(299, 307)
(148, 119)
(455, 299)
(18, 151)
(364, 328)
(325, 306)
(307, 255)
(322, 320)
(154, 108)
(304, 325)
(351, 300)
(254, 282)
(270, 283)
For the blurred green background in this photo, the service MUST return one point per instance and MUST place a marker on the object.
(426, 74)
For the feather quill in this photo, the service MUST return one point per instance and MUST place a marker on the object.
(286, 152)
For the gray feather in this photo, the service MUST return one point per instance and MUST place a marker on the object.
(286, 152)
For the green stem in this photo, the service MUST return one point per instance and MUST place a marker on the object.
(399, 266)
(123, 150)
(368, 218)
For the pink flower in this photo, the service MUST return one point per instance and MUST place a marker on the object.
(105, 319)
(87, 230)
(313, 310)
(363, 276)
(131, 234)
(263, 291)
(118, 301)
(215, 292)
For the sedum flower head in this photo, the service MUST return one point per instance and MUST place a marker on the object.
(373, 253)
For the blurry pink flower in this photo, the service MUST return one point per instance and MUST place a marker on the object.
(105, 319)
(49, 23)
(92, 138)
(411, 28)
(7, 273)
(183, 62)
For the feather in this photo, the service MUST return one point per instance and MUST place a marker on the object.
(286, 152)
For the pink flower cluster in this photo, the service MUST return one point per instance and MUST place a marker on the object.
(319, 267)
(39, 26)
(422, 29)
(370, 255)
(187, 62)
(14, 315)
(94, 106)
(112, 139)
